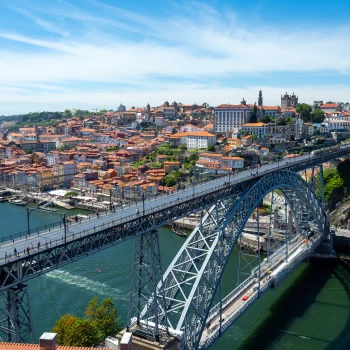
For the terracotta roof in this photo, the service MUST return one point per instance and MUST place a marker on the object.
(233, 106)
(21, 346)
(255, 124)
(186, 134)
(329, 105)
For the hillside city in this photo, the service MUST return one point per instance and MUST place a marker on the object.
(132, 153)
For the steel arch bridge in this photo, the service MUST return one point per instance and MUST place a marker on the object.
(185, 294)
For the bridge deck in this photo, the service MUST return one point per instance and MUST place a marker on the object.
(111, 219)
(233, 305)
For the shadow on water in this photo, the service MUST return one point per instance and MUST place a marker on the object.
(342, 273)
(292, 304)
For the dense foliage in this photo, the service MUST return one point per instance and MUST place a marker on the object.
(100, 322)
(305, 111)
(337, 180)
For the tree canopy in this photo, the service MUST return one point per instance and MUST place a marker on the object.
(305, 111)
(100, 322)
(318, 116)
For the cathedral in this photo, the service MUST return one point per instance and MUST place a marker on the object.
(289, 101)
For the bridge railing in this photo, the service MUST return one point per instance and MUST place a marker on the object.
(31, 232)
(196, 191)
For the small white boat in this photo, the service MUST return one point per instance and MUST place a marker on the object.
(18, 202)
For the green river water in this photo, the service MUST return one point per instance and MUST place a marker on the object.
(309, 310)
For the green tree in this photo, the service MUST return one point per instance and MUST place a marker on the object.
(79, 113)
(62, 327)
(318, 116)
(83, 332)
(264, 119)
(305, 111)
(112, 148)
(211, 148)
(67, 114)
(254, 117)
(71, 194)
(170, 181)
(104, 316)
(280, 121)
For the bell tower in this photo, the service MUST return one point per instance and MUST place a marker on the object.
(260, 99)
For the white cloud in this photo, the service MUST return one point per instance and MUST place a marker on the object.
(191, 93)
(210, 48)
(42, 23)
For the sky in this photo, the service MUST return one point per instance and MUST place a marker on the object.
(87, 54)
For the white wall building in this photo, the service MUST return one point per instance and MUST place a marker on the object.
(259, 129)
(231, 117)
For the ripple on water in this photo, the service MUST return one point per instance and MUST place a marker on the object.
(85, 283)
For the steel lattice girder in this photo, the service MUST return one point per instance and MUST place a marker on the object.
(192, 278)
(81, 246)
(15, 316)
(77, 248)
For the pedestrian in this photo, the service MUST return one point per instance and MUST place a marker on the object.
(46, 244)
(38, 245)
(15, 251)
(31, 246)
(28, 250)
(5, 256)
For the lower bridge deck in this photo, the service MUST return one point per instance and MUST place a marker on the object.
(272, 272)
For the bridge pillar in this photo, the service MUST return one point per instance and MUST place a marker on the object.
(146, 274)
(15, 315)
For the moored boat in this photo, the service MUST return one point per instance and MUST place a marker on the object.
(18, 202)
(176, 230)
(2, 199)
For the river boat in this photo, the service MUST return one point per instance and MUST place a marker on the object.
(2, 199)
(47, 209)
(176, 230)
(18, 202)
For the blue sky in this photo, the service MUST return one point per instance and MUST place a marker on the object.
(89, 54)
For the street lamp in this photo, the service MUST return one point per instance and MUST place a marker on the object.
(63, 217)
(29, 211)
(143, 200)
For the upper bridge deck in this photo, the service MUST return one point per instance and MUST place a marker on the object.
(96, 233)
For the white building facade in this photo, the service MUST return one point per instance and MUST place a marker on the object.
(231, 117)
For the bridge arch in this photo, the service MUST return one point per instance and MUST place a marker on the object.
(188, 287)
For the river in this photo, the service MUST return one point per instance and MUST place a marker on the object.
(310, 310)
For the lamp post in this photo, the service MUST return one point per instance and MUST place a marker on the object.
(29, 211)
(143, 200)
(63, 217)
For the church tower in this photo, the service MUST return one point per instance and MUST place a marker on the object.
(260, 99)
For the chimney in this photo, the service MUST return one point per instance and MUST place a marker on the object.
(48, 341)
(126, 342)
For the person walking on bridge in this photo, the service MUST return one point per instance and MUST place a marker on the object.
(38, 245)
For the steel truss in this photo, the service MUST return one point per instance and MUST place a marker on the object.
(194, 276)
(146, 273)
(15, 317)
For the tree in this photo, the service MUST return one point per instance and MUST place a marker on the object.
(100, 322)
(318, 116)
(280, 121)
(211, 148)
(305, 111)
(79, 113)
(264, 119)
(254, 114)
(83, 332)
(67, 114)
(170, 181)
(71, 194)
(62, 327)
(104, 316)
(112, 148)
